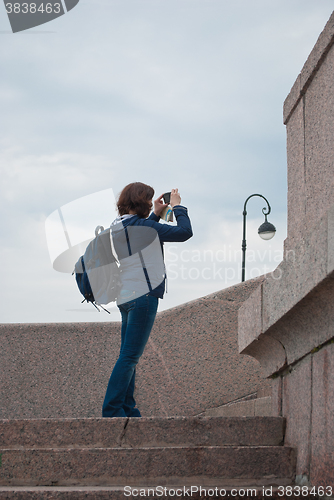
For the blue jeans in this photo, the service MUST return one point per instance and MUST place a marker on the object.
(137, 321)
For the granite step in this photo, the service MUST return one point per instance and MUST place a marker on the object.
(141, 432)
(211, 465)
(117, 493)
(146, 452)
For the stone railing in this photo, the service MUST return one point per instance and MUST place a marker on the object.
(191, 362)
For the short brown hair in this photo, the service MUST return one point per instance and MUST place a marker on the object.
(136, 197)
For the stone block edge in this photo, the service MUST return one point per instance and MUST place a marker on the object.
(310, 68)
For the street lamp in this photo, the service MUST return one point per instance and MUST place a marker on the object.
(266, 231)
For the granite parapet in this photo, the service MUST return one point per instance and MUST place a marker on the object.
(191, 362)
(296, 176)
(310, 68)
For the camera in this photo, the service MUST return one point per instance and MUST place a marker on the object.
(166, 197)
(167, 213)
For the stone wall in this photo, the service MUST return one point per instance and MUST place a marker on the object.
(191, 362)
(304, 395)
(308, 116)
(287, 324)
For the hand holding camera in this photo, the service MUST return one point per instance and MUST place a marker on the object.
(161, 207)
(175, 198)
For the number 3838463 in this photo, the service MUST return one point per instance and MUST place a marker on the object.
(32, 8)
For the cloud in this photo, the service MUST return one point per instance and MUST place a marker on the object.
(184, 93)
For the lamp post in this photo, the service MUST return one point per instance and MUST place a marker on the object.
(266, 231)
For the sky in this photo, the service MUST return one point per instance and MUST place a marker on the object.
(183, 94)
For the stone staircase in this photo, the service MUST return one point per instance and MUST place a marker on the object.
(94, 458)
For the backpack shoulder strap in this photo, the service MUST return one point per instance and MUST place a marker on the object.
(113, 247)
